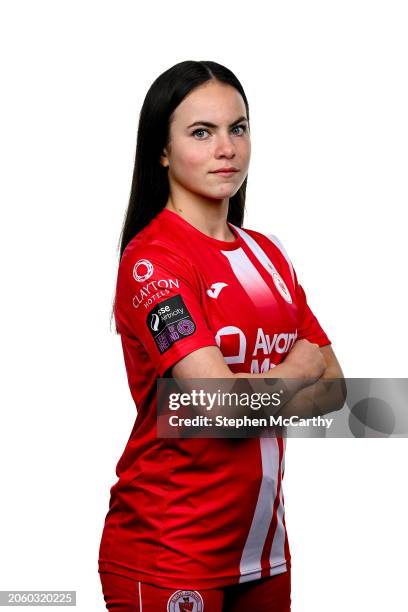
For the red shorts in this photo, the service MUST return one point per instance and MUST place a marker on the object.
(123, 594)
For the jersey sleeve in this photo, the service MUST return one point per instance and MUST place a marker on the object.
(308, 325)
(157, 302)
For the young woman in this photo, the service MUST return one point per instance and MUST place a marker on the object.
(198, 524)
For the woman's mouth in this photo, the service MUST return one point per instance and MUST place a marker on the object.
(225, 171)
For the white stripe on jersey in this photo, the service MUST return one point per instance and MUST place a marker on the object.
(250, 565)
(280, 246)
(248, 276)
(278, 545)
(260, 253)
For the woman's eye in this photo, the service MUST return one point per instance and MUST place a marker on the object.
(242, 127)
(198, 131)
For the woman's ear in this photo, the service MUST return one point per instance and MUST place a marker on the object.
(164, 160)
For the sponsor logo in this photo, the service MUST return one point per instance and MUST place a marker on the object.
(233, 344)
(142, 270)
(153, 291)
(232, 340)
(216, 289)
(185, 601)
(169, 322)
(266, 344)
(281, 343)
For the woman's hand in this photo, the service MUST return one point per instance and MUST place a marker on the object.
(306, 361)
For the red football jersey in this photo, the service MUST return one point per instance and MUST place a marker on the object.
(201, 513)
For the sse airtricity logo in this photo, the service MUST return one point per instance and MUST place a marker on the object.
(142, 270)
(154, 322)
(185, 601)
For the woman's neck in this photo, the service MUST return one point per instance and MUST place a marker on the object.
(208, 216)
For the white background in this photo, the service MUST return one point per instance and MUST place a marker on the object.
(327, 88)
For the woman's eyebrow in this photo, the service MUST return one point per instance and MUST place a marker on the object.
(212, 125)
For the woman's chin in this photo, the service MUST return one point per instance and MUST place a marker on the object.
(223, 191)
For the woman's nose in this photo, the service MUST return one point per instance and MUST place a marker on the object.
(224, 145)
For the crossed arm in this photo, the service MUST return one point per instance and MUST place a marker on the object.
(325, 395)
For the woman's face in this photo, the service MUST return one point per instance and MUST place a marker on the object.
(196, 151)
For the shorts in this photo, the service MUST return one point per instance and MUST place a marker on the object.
(124, 594)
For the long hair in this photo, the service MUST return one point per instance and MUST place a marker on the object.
(150, 186)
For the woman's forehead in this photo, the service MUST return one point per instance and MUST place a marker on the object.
(216, 103)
